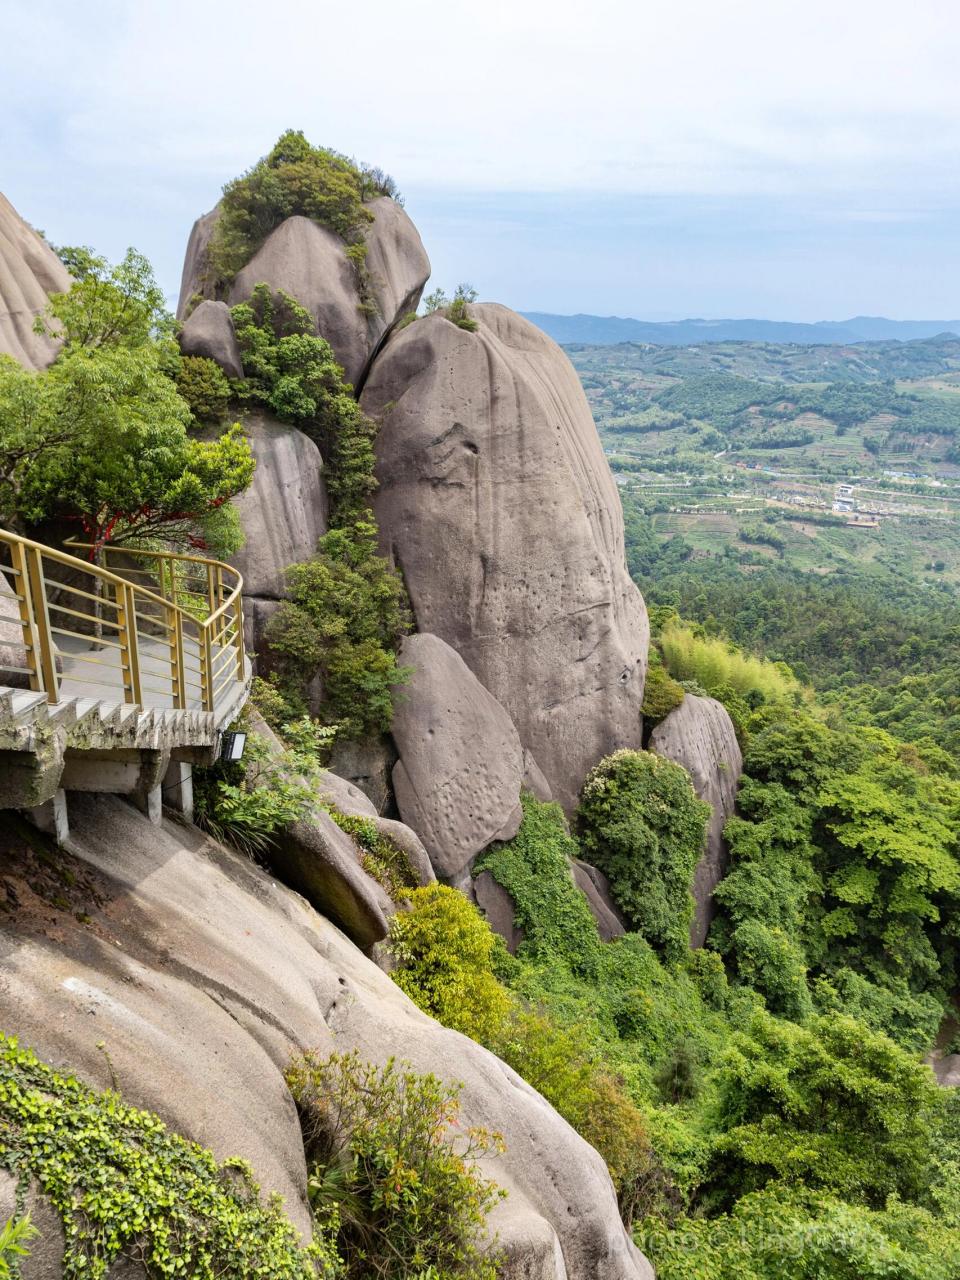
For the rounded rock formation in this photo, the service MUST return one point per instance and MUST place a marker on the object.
(497, 505)
(203, 977)
(208, 331)
(29, 272)
(699, 735)
(457, 781)
(309, 262)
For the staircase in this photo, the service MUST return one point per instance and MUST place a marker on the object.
(133, 667)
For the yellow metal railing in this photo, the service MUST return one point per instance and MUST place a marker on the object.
(156, 629)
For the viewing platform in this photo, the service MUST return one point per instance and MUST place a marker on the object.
(115, 676)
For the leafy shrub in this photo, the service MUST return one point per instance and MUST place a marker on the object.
(123, 1186)
(591, 1098)
(641, 824)
(293, 178)
(346, 613)
(534, 868)
(830, 1105)
(444, 952)
(455, 308)
(379, 856)
(661, 693)
(203, 384)
(780, 1235)
(247, 804)
(14, 1238)
(411, 1201)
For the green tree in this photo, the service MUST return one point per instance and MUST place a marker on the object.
(344, 618)
(642, 825)
(830, 1106)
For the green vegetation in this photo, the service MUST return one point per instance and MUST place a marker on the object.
(125, 1186)
(101, 437)
(15, 1237)
(763, 1094)
(295, 178)
(408, 1202)
(347, 608)
(455, 308)
(202, 383)
(641, 824)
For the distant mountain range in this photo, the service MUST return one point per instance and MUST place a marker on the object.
(605, 330)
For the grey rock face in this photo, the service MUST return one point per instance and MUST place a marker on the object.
(29, 272)
(208, 331)
(368, 765)
(498, 908)
(457, 782)
(308, 261)
(284, 512)
(699, 734)
(497, 504)
(204, 976)
(192, 280)
(533, 779)
(595, 887)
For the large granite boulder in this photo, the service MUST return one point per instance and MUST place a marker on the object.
(29, 272)
(457, 781)
(202, 976)
(699, 734)
(308, 261)
(13, 652)
(208, 331)
(498, 506)
(284, 512)
(194, 282)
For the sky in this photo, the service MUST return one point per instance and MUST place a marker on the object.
(764, 158)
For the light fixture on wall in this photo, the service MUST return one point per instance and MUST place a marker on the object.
(231, 747)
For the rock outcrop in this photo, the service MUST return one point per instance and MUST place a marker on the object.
(29, 272)
(308, 261)
(283, 514)
(457, 781)
(202, 976)
(595, 887)
(208, 331)
(498, 506)
(194, 285)
(699, 734)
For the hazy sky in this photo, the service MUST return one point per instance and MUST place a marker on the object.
(793, 160)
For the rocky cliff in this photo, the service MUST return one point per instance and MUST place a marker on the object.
(185, 977)
(699, 734)
(29, 272)
(498, 506)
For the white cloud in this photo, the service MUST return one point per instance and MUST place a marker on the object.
(691, 96)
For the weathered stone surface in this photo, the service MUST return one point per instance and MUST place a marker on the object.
(320, 861)
(193, 281)
(498, 907)
(947, 1070)
(699, 734)
(534, 780)
(308, 261)
(284, 512)
(345, 796)
(368, 765)
(595, 887)
(497, 504)
(409, 843)
(208, 331)
(29, 272)
(203, 976)
(457, 781)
